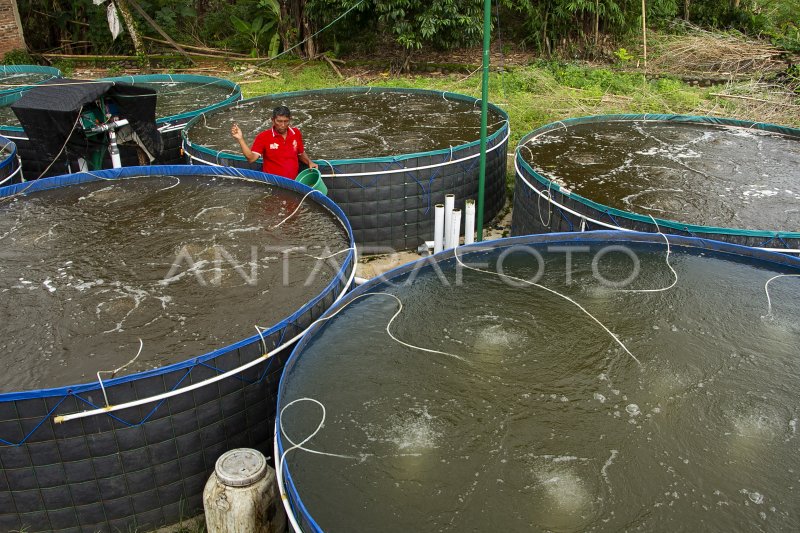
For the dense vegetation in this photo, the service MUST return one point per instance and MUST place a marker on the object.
(571, 28)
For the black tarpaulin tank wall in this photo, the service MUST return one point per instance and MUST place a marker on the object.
(15, 81)
(10, 128)
(387, 191)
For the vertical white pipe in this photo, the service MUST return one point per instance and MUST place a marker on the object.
(456, 227)
(469, 222)
(438, 228)
(449, 205)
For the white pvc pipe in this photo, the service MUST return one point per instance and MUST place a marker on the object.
(469, 222)
(438, 228)
(456, 228)
(449, 205)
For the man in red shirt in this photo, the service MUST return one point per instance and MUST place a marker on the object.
(281, 146)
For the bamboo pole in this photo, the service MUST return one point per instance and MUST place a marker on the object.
(752, 99)
(487, 27)
(644, 32)
(199, 48)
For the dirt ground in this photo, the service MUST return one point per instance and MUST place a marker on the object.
(376, 265)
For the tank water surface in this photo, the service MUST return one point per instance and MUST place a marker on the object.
(524, 402)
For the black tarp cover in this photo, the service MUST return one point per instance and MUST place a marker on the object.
(49, 111)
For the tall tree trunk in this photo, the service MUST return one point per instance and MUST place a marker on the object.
(285, 26)
(298, 27)
(130, 25)
(686, 4)
(596, 22)
(310, 46)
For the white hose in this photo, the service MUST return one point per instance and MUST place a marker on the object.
(279, 458)
(766, 289)
(565, 297)
(675, 274)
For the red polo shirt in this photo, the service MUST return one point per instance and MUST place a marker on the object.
(279, 154)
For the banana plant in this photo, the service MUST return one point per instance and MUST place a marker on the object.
(260, 27)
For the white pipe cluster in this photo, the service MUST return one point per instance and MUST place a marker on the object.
(447, 222)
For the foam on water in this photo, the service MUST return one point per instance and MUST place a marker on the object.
(562, 500)
(412, 432)
(757, 425)
(496, 338)
(219, 215)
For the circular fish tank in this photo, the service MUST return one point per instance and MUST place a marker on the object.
(715, 178)
(15, 78)
(387, 156)
(9, 162)
(598, 381)
(146, 311)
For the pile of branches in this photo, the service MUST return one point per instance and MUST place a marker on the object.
(760, 101)
(720, 54)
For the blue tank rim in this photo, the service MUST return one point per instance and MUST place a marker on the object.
(234, 96)
(584, 238)
(181, 170)
(8, 143)
(505, 128)
(630, 215)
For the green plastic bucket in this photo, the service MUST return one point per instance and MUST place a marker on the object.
(313, 179)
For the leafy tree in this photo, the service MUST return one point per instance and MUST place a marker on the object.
(413, 23)
(549, 26)
(444, 24)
